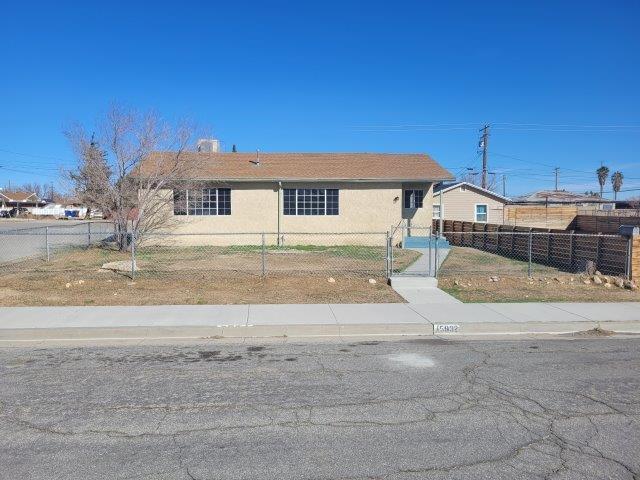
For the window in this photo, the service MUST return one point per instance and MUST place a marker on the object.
(179, 202)
(202, 201)
(413, 198)
(436, 210)
(310, 201)
(481, 213)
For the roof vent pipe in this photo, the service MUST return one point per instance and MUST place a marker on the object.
(256, 162)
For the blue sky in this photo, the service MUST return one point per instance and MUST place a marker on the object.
(558, 80)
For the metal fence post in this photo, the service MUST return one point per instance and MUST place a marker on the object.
(435, 270)
(133, 254)
(430, 237)
(263, 256)
(46, 239)
(628, 265)
(89, 234)
(387, 259)
(530, 242)
(391, 254)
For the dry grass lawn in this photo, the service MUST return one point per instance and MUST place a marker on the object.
(466, 273)
(202, 275)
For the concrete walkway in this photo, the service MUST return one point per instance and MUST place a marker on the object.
(308, 320)
(417, 283)
(423, 265)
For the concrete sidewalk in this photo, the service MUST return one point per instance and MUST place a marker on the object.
(309, 320)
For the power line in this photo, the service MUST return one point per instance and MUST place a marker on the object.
(31, 155)
(14, 170)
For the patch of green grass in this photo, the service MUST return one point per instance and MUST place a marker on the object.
(348, 251)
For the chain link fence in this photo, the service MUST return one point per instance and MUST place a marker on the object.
(26, 247)
(535, 253)
(91, 247)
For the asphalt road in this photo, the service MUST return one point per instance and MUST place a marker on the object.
(400, 410)
(21, 239)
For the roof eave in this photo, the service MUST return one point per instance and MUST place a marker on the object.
(316, 180)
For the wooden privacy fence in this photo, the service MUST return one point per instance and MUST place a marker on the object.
(565, 250)
(600, 224)
(542, 216)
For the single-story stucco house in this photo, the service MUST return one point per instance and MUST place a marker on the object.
(321, 193)
(467, 202)
(19, 202)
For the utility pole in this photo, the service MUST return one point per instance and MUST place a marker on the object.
(484, 142)
(557, 171)
(504, 185)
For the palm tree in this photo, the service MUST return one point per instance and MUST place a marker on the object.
(616, 182)
(603, 173)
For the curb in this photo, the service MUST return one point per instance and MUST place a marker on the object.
(204, 332)
(530, 327)
(311, 331)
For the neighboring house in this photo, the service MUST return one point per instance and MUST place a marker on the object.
(20, 201)
(553, 209)
(468, 202)
(562, 197)
(302, 192)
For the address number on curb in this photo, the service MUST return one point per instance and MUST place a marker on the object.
(446, 328)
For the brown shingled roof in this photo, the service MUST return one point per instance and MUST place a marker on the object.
(308, 166)
(19, 196)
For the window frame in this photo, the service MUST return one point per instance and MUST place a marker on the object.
(486, 213)
(412, 200)
(433, 211)
(311, 202)
(207, 202)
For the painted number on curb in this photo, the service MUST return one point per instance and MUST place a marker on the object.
(446, 328)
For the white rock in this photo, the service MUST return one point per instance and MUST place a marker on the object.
(608, 285)
(597, 280)
(331, 280)
(67, 285)
(372, 281)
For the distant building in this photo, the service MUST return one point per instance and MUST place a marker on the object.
(562, 197)
(19, 201)
(468, 202)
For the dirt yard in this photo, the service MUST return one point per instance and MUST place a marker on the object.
(202, 275)
(115, 289)
(467, 275)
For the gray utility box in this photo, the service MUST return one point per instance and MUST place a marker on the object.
(628, 230)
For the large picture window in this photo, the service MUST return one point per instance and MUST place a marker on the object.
(202, 201)
(413, 198)
(310, 201)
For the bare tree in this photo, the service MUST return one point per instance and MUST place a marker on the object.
(119, 174)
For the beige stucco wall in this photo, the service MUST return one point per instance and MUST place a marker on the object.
(459, 204)
(363, 207)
